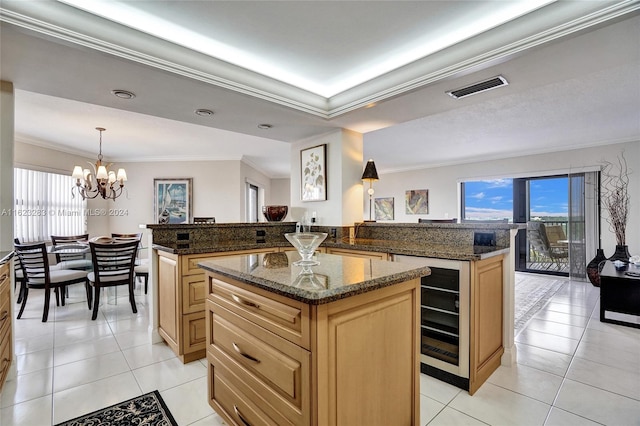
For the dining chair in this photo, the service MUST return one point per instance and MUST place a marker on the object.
(113, 265)
(126, 237)
(34, 262)
(74, 260)
(141, 270)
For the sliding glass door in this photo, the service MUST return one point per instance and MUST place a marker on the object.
(559, 215)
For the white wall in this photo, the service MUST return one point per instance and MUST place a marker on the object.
(344, 187)
(442, 183)
(6, 160)
(218, 187)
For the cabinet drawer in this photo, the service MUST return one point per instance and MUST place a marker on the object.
(238, 397)
(5, 356)
(195, 335)
(278, 362)
(285, 317)
(5, 309)
(194, 293)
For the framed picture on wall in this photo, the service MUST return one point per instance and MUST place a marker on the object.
(313, 170)
(417, 201)
(384, 208)
(172, 200)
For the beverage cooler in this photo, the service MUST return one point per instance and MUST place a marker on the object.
(444, 320)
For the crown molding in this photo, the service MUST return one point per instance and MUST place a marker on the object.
(549, 23)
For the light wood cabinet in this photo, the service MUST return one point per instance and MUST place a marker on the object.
(6, 340)
(274, 360)
(461, 319)
(181, 301)
(486, 300)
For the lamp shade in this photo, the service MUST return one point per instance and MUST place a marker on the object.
(77, 173)
(370, 172)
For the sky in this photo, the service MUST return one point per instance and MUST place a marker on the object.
(493, 199)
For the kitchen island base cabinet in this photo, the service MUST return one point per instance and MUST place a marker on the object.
(181, 296)
(274, 360)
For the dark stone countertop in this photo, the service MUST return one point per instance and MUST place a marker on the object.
(335, 278)
(441, 251)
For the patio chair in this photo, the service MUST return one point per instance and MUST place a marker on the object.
(34, 262)
(113, 265)
(542, 249)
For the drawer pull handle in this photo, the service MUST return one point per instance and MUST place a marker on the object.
(5, 314)
(235, 408)
(247, 356)
(4, 277)
(240, 300)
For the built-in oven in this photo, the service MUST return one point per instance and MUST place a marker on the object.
(444, 319)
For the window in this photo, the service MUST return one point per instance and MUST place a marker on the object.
(487, 200)
(44, 206)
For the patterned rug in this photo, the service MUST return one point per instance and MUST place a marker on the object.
(532, 292)
(148, 409)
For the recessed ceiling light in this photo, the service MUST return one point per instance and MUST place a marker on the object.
(264, 126)
(204, 112)
(123, 94)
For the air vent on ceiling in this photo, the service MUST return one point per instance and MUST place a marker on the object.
(479, 87)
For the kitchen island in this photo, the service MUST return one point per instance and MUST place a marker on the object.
(480, 309)
(340, 346)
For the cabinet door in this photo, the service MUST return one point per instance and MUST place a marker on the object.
(195, 336)
(486, 320)
(168, 308)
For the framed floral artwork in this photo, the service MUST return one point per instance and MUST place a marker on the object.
(313, 167)
(384, 208)
(172, 200)
(417, 201)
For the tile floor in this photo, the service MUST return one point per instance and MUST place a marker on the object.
(572, 369)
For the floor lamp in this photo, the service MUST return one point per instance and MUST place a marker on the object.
(370, 173)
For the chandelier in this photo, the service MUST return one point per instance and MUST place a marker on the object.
(102, 181)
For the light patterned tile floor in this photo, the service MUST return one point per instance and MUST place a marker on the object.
(568, 372)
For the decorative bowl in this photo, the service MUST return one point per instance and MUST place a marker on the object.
(275, 213)
(306, 243)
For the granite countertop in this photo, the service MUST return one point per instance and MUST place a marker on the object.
(336, 277)
(441, 251)
(5, 256)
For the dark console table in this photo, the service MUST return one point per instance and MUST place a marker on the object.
(619, 292)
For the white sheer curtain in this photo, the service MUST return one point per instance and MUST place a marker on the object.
(584, 226)
(44, 206)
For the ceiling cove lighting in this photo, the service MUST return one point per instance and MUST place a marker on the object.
(103, 182)
(124, 14)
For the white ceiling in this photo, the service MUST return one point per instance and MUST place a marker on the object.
(572, 69)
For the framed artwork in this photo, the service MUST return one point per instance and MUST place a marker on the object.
(417, 201)
(384, 208)
(172, 200)
(313, 167)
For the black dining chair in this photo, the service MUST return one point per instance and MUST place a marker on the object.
(141, 271)
(113, 265)
(34, 262)
(71, 260)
